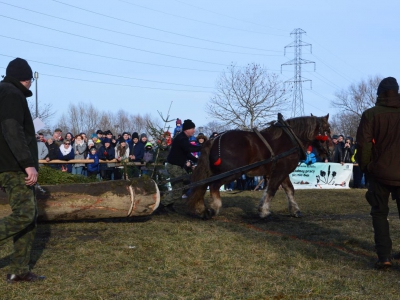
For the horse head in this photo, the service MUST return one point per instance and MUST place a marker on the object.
(322, 135)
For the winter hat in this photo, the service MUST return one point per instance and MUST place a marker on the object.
(309, 148)
(125, 133)
(335, 137)
(93, 149)
(388, 84)
(90, 142)
(121, 140)
(106, 140)
(143, 135)
(188, 124)
(135, 135)
(107, 132)
(149, 145)
(178, 121)
(19, 69)
(93, 135)
(99, 132)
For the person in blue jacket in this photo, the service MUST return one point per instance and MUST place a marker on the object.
(106, 152)
(310, 157)
(93, 168)
(66, 153)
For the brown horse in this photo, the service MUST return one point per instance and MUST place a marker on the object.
(235, 148)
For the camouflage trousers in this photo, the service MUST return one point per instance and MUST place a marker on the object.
(21, 224)
(176, 193)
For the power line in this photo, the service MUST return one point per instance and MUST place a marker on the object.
(347, 79)
(108, 57)
(118, 84)
(336, 56)
(325, 80)
(234, 18)
(153, 28)
(114, 44)
(194, 20)
(134, 35)
(112, 75)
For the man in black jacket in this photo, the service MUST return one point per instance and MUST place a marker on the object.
(179, 156)
(18, 167)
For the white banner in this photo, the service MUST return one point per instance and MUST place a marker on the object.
(322, 176)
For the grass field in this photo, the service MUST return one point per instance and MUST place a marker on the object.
(327, 254)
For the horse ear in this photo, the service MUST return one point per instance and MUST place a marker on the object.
(327, 117)
(312, 115)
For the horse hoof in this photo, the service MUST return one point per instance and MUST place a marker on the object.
(208, 214)
(267, 217)
(297, 214)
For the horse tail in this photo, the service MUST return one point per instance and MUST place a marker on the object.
(202, 171)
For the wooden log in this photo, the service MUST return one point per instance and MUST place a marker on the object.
(106, 199)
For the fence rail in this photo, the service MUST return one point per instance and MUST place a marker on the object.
(89, 161)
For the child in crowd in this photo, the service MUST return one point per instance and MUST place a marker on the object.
(148, 157)
(310, 157)
(178, 128)
(93, 168)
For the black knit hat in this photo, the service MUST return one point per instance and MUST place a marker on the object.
(388, 84)
(135, 135)
(188, 124)
(106, 140)
(121, 140)
(19, 69)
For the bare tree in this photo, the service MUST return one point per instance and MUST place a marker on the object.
(358, 96)
(345, 123)
(247, 97)
(45, 111)
(352, 102)
(211, 127)
(86, 118)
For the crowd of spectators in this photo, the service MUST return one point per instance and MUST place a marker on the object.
(344, 150)
(126, 147)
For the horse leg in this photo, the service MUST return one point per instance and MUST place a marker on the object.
(214, 203)
(294, 209)
(268, 195)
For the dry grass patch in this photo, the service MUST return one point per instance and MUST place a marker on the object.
(327, 254)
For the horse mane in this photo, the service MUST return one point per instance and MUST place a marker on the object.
(303, 127)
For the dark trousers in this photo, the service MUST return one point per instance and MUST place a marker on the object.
(357, 176)
(378, 197)
(21, 223)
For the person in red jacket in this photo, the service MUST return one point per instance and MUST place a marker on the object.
(378, 147)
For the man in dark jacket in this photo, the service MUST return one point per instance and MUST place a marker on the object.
(178, 157)
(18, 167)
(378, 146)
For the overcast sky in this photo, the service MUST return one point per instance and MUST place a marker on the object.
(142, 55)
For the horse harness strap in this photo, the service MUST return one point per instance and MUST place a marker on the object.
(269, 148)
(295, 140)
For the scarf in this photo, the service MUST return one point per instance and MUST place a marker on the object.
(65, 151)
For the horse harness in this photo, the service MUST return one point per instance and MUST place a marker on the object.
(281, 123)
(274, 158)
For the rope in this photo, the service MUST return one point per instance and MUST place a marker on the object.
(132, 200)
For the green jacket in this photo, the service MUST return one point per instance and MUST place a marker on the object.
(18, 145)
(378, 139)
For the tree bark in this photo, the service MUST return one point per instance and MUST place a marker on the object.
(107, 199)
